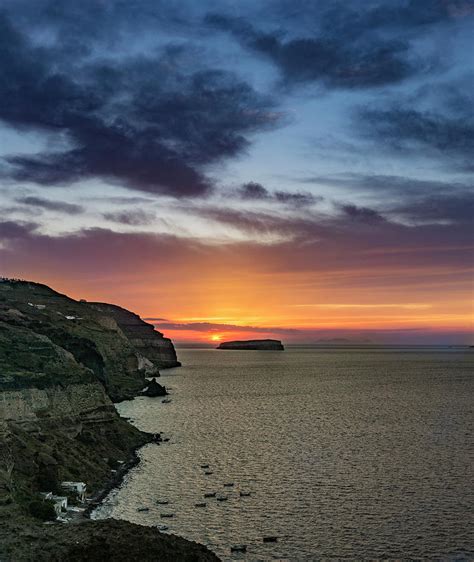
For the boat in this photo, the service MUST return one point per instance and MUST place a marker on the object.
(228, 484)
(244, 494)
(270, 539)
(143, 509)
(221, 498)
(200, 504)
(162, 527)
(166, 515)
(166, 401)
(210, 495)
(162, 502)
(238, 548)
(208, 472)
(204, 466)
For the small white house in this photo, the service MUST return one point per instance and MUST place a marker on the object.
(60, 504)
(38, 306)
(79, 488)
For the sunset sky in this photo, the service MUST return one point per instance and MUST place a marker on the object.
(293, 169)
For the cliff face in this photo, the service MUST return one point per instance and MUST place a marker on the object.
(143, 336)
(62, 362)
(115, 345)
(55, 434)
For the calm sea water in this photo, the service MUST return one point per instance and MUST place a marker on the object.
(347, 453)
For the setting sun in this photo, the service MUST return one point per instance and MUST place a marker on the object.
(216, 337)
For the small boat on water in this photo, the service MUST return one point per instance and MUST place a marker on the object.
(221, 498)
(208, 472)
(270, 539)
(166, 401)
(238, 548)
(244, 494)
(200, 504)
(143, 509)
(162, 502)
(204, 466)
(166, 515)
(228, 484)
(210, 495)
(162, 527)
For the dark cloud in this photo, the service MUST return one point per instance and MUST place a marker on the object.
(16, 230)
(330, 57)
(135, 217)
(122, 200)
(353, 19)
(399, 197)
(425, 132)
(214, 327)
(297, 199)
(355, 44)
(361, 214)
(388, 186)
(148, 122)
(61, 206)
(455, 208)
(255, 191)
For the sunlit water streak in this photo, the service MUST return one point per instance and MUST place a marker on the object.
(356, 454)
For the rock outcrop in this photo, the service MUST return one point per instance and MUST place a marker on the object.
(143, 336)
(263, 345)
(154, 389)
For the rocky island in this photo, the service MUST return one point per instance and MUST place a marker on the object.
(263, 345)
(62, 365)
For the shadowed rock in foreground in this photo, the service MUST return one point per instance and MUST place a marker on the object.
(98, 541)
(264, 345)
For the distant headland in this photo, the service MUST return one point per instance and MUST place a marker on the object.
(263, 345)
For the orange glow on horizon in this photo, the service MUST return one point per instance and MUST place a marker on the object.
(245, 298)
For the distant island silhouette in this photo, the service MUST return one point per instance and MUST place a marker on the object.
(340, 341)
(262, 345)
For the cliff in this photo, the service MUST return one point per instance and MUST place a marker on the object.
(62, 363)
(143, 336)
(261, 345)
(111, 342)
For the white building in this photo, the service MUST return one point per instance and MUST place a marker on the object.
(79, 488)
(60, 504)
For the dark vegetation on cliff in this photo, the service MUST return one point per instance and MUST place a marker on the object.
(62, 363)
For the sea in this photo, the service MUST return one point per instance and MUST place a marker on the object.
(313, 453)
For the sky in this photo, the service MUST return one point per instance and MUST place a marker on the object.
(301, 170)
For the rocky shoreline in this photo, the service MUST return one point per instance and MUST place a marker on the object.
(115, 481)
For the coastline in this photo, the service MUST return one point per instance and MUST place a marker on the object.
(116, 479)
(83, 538)
(65, 364)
